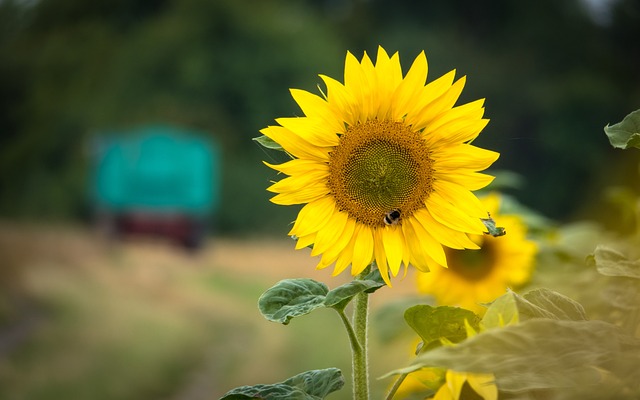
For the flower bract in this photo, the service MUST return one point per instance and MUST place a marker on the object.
(384, 167)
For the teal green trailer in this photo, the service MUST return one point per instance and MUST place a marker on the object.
(157, 179)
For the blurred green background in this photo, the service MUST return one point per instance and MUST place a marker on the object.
(81, 319)
(553, 73)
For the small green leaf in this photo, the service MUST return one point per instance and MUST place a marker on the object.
(610, 262)
(310, 385)
(342, 295)
(435, 323)
(537, 354)
(492, 229)
(625, 134)
(268, 143)
(292, 298)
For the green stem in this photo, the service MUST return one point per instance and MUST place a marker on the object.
(359, 361)
(353, 340)
(359, 354)
(396, 386)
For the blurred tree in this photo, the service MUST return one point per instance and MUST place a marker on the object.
(552, 75)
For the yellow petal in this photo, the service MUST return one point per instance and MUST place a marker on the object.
(443, 234)
(466, 112)
(465, 156)
(443, 103)
(332, 253)
(362, 250)
(467, 179)
(433, 90)
(298, 182)
(346, 255)
(445, 213)
(461, 198)
(318, 109)
(389, 76)
(484, 385)
(393, 242)
(330, 233)
(356, 80)
(455, 380)
(299, 166)
(342, 100)
(306, 195)
(314, 130)
(454, 132)
(428, 244)
(380, 256)
(417, 255)
(313, 216)
(305, 241)
(294, 144)
(408, 91)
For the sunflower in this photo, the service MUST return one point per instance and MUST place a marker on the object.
(384, 167)
(480, 276)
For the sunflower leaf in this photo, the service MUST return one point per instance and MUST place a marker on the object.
(539, 354)
(339, 297)
(512, 308)
(436, 323)
(310, 385)
(492, 229)
(625, 134)
(561, 306)
(610, 262)
(291, 298)
(268, 143)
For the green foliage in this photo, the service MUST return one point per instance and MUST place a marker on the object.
(541, 354)
(435, 324)
(541, 343)
(625, 134)
(339, 297)
(291, 298)
(541, 303)
(310, 385)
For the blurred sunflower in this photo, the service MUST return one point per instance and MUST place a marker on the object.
(384, 166)
(479, 276)
(447, 385)
(462, 385)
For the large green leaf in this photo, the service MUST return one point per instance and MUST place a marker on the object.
(625, 134)
(444, 322)
(340, 296)
(538, 354)
(610, 262)
(511, 308)
(310, 385)
(561, 306)
(292, 298)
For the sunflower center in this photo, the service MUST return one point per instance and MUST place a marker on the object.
(380, 172)
(472, 265)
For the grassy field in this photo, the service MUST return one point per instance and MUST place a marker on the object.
(82, 318)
